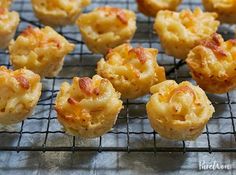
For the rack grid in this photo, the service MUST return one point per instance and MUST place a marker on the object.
(132, 132)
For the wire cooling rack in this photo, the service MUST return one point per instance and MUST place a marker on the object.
(132, 132)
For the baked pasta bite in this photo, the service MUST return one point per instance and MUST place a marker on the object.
(132, 71)
(213, 64)
(152, 7)
(106, 27)
(19, 93)
(9, 22)
(88, 107)
(40, 50)
(178, 111)
(226, 9)
(58, 12)
(5, 3)
(179, 32)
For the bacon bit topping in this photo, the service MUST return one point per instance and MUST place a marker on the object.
(2, 11)
(216, 39)
(139, 51)
(28, 31)
(120, 14)
(109, 51)
(24, 83)
(85, 85)
(54, 40)
(96, 91)
(181, 89)
(122, 17)
(233, 41)
(214, 44)
(108, 54)
(72, 101)
(41, 40)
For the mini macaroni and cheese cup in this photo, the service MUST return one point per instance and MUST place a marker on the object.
(58, 12)
(88, 107)
(20, 91)
(226, 9)
(178, 111)
(106, 27)
(152, 7)
(179, 32)
(9, 22)
(132, 71)
(40, 50)
(213, 64)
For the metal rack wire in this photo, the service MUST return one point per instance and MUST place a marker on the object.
(132, 133)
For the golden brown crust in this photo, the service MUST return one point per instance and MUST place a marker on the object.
(225, 9)
(212, 64)
(88, 107)
(132, 71)
(58, 12)
(178, 111)
(179, 32)
(9, 22)
(152, 7)
(40, 50)
(19, 93)
(106, 27)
